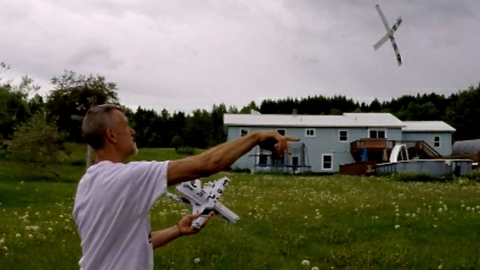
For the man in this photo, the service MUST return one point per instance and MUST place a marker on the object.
(113, 199)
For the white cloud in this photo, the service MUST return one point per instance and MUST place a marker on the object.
(182, 55)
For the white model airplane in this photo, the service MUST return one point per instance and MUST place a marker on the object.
(389, 34)
(204, 200)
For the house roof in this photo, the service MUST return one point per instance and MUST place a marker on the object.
(427, 126)
(297, 120)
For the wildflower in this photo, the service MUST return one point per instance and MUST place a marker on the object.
(17, 235)
(197, 260)
(305, 262)
(314, 268)
(30, 236)
(397, 226)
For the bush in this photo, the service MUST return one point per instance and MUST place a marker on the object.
(419, 177)
(185, 150)
(473, 175)
(38, 146)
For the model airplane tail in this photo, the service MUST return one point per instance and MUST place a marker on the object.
(204, 200)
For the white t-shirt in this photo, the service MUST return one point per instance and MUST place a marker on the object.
(112, 213)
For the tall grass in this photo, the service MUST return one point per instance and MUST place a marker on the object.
(331, 222)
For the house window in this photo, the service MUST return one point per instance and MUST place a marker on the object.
(243, 132)
(327, 162)
(281, 131)
(309, 132)
(436, 141)
(377, 133)
(343, 135)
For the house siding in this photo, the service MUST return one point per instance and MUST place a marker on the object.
(325, 141)
(445, 148)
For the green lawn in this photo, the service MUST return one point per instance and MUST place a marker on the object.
(334, 222)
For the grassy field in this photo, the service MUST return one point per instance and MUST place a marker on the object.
(331, 222)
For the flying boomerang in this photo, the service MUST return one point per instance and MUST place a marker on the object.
(389, 34)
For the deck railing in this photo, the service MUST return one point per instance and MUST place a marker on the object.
(381, 144)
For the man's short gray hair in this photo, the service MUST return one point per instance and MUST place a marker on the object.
(95, 123)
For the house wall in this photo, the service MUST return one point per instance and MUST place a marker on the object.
(445, 148)
(325, 142)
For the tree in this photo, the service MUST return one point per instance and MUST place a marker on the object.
(14, 104)
(464, 114)
(334, 111)
(176, 142)
(38, 145)
(218, 132)
(375, 105)
(247, 109)
(143, 123)
(74, 95)
(198, 130)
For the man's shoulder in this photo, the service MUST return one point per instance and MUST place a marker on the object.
(145, 163)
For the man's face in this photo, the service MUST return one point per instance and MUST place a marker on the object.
(125, 135)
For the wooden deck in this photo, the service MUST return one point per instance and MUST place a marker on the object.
(376, 148)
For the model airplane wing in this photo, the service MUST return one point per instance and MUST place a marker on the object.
(384, 20)
(395, 49)
(204, 200)
(380, 42)
(396, 25)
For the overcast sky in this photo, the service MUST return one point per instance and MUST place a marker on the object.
(184, 54)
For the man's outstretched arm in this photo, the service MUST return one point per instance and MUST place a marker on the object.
(222, 156)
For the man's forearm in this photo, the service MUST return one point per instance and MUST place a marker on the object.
(162, 237)
(224, 155)
(227, 153)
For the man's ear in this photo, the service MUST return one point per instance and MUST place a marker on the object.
(110, 135)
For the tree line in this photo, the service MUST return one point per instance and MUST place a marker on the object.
(72, 95)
